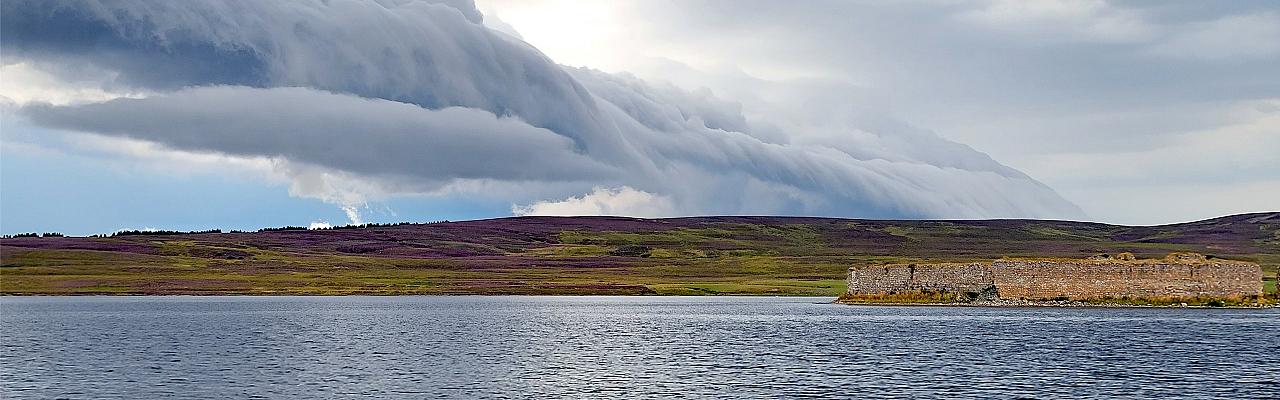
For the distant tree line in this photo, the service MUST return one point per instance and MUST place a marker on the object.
(378, 225)
(136, 232)
(284, 228)
(32, 235)
(157, 232)
(358, 226)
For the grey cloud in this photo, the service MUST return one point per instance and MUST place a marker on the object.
(923, 57)
(424, 93)
(823, 112)
(367, 136)
(664, 107)
(1229, 38)
(427, 53)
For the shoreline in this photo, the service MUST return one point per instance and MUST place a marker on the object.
(1059, 304)
(10, 295)
(1005, 304)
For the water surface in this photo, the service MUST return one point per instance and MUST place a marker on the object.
(520, 347)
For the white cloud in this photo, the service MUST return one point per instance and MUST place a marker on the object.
(576, 33)
(22, 83)
(349, 192)
(492, 21)
(623, 201)
(353, 214)
(319, 225)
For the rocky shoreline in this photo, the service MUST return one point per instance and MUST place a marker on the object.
(1018, 303)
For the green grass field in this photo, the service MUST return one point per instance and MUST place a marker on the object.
(701, 256)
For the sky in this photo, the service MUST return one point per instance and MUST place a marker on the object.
(144, 114)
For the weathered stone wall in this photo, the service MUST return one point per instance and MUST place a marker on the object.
(898, 278)
(1089, 280)
(1171, 278)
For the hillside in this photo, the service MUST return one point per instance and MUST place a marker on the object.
(585, 255)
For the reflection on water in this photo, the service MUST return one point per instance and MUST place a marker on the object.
(519, 347)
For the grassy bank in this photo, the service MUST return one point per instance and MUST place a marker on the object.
(584, 255)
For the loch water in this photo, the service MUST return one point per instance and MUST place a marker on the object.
(622, 347)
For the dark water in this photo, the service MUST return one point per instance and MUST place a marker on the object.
(469, 347)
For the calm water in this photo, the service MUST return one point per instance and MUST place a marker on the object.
(427, 347)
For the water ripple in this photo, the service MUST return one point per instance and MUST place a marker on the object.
(644, 347)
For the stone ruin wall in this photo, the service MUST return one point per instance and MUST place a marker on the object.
(1073, 279)
(898, 278)
(1087, 280)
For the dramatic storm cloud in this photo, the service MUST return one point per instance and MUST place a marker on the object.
(421, 98)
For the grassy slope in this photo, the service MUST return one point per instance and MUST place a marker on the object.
(546, 255)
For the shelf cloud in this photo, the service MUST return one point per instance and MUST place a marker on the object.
(420, 97)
